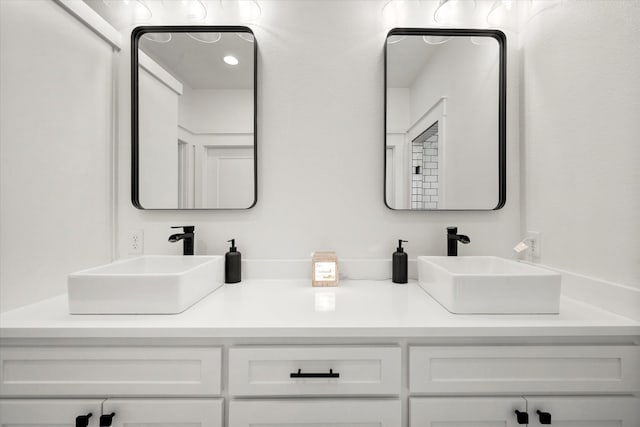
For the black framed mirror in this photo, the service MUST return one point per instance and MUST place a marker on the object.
(193, 117)
(445, 119)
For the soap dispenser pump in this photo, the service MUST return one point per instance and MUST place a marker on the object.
(232, 264)
(400, 264)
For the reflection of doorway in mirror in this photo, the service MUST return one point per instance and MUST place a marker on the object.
(185, 175)
(425, 169)
(228, 177)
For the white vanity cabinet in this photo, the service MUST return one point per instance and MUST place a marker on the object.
(147, 412)
(314, 371)
(586, 386)
(362, 375)
(48, 412)
(163, 412)
(465, 411)
(595, 411)
(99, 371)
(154, 385)
(316, 413)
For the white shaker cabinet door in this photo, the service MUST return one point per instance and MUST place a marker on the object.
(164, 412)
(465, 412)
(315, 413)
(601, 411)
(48, 412)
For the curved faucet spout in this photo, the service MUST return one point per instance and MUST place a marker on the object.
(176, 237)
(452, 240)
(187, 238)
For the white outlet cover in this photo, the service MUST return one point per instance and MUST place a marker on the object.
(135, 242)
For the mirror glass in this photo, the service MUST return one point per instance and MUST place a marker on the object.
(193, 117)
(445, 119)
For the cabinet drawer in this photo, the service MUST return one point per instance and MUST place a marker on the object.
(315, 413)
(165, 412)
(104, 371)
(524, 369)
(465, 411)
(296, 371)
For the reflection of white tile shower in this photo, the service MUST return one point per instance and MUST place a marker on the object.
(424, 163)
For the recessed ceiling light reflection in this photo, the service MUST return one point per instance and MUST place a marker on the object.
(395, 39)
(483, 41)
(205, 37)
(436, 39)
(248, 37)
(231, 60)
(157, 37)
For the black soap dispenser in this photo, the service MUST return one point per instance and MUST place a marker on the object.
(232, 264)
(400, 264)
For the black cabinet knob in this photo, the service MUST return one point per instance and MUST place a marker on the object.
(106, 419)
(544, 417)
(83, 420)
(522, 417)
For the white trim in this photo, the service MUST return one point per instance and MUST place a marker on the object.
(157, 71)
(93, 21)
(215, 139)
(115, 225)
(435, 105)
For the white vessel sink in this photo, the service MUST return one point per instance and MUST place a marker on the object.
(489, 285)
(145, 285)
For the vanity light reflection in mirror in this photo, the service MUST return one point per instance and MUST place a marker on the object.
(194, 107)
(445, 121)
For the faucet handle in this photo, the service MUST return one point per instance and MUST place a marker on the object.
(186, 228)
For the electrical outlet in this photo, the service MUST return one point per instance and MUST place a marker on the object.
(135, 242)
(533, 240)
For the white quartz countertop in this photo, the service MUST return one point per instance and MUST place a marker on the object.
(292, 309)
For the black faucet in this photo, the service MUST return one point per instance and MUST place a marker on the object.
(186, 237)
(452, 240)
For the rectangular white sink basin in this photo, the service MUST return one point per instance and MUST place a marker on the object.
(145, 285)
(489, 285)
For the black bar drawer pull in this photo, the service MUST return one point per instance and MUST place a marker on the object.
(301, 374)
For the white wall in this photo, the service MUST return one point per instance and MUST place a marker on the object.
(581, 128)
(55, 150)
(158, 142)
(217, 110)
(320, 150)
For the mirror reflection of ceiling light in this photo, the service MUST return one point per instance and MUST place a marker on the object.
(194, 10)
(135, 10)
(483, 41)
(157, 37)
(206, 37)
(395, 39)
(453, 11)
(231, 60)
(436, 39)
(248, 37)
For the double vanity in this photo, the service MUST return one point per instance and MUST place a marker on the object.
(279, 352)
